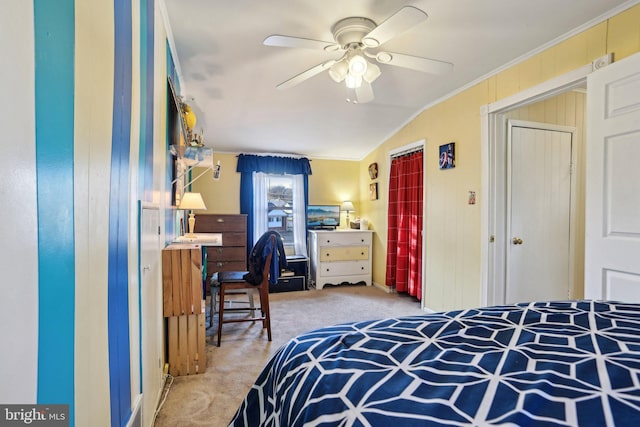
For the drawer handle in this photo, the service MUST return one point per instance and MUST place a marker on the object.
(328, 270)
(219, 220)
(328, 241)
(328, 254)
(220, 264)
(219, 250)
(361, 253)
(361, 268)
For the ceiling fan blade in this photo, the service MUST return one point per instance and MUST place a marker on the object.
(306, 74)
(398, 23)
(364, 93)
(426, 65)
(288, 41)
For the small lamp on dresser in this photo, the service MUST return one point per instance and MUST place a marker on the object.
(347, 206)
(191, 201)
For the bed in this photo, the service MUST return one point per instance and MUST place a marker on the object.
(569, 363)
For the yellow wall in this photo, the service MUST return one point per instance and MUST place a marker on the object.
(453, 246)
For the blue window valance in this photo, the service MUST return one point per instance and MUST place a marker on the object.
(249, 163)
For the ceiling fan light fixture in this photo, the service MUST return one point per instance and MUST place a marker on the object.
(338, 71)
(357, 65)
(353, 81)
(372, 73)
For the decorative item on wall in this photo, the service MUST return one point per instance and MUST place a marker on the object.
(373, 191)
(447, 159)
(472, 198)
(373, 170)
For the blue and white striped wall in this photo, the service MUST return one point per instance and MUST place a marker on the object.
(80, 87)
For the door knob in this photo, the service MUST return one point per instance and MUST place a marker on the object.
(516, 241)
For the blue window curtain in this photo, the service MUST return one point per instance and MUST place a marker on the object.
(250, 163)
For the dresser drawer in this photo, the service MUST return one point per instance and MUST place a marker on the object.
(234, 239)
(344, 238)
(344, 268)
(213, 266)
(226, 253)
(343, 253)
(217, 223)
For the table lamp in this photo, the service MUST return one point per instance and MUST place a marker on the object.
(191, 201)
(347, 206)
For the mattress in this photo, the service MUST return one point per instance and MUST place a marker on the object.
(562, 363)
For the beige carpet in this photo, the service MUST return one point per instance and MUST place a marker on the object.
(212, 398)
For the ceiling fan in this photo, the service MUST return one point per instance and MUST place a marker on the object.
(359, 39)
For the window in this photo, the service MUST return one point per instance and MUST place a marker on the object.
(254, 171)
(279, 206)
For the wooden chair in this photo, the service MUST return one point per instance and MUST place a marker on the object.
(215, 299)
(233, 280)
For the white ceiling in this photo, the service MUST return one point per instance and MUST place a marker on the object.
(229, 77)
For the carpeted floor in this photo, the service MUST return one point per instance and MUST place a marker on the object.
(212, 398)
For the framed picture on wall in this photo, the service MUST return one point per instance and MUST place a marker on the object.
(373, 191)
(373, 170)
(447, 159)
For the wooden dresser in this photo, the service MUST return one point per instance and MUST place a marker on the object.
(232, 255)
(340, 257)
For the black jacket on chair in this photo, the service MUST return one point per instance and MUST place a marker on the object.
(259, 253)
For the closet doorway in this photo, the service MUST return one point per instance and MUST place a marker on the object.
(405, 237)
(560, 104)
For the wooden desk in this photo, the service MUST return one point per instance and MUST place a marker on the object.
(184, 308)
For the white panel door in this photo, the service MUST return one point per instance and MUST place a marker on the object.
(539, 214)
(612, 238)
(151, 324)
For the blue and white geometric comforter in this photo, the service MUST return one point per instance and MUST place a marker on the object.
(573, 363)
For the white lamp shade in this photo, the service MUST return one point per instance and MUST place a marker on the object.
(347, 206)
(352, 81)
(338, 71)
(372, 73)
(357, 65)
(192, 201)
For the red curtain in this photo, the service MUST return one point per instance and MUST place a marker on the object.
(404, 243)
